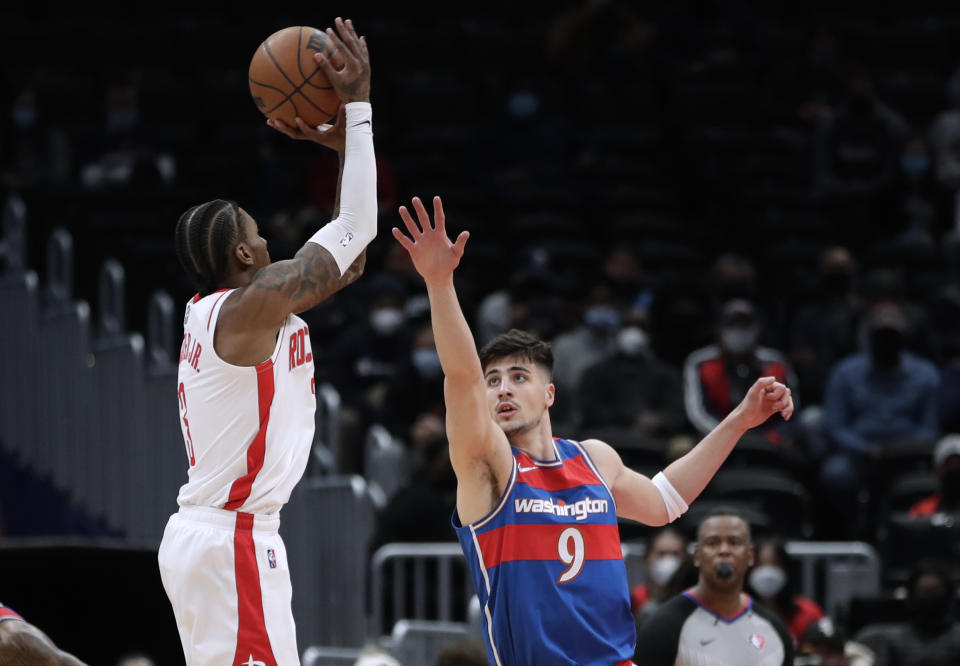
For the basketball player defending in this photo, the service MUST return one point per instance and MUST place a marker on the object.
(246, 391)
(537, 515)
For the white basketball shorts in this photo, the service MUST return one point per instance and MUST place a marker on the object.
(226, 575)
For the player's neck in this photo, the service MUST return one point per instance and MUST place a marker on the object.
(536, 442)
(725, 603)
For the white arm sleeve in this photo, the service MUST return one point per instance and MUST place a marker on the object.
(356, 225)
(671, 498)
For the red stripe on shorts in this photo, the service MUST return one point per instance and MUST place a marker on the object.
(240, 490)
(253, 643)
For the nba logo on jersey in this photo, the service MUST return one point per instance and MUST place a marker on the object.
(757, 640)
(271, 558)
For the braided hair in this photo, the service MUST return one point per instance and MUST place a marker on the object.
(204, 236)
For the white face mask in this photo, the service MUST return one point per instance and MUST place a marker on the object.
(386, 320)
(767, 580)
(738, 340)
(631, 340)
(663, 568)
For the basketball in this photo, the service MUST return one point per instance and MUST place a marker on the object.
(286, 82)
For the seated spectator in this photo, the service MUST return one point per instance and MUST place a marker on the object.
(772, 584)
(591, 341)
(825, 330)
(877, 397)
(416, 387)
(717, 377)
(828, 645)
(666, 549)
(931, 635)
(946, 465)
(631, 388)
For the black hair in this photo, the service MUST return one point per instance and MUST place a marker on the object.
(725, 511)
(518, 343)
(204, 236)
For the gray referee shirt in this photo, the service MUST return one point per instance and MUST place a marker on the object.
(684, 632)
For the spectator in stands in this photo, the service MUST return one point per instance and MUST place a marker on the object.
(714, 621)
(594, 339)
(624, 274)
(931, 635)
(828, 645)
(825, 330)
(680, 318)
(944, 137)
(416, 387)
(631, 388)
(946, 466)
(33, 151)
(666, 550)
(732, 277)
(874, 398)
(716, 377)
(857, 158)
(365, 357)
(772, 584)
(127, 153)
(372, 656)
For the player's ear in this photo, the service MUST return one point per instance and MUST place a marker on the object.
(551, 394)
(751, 556)
(243, 254)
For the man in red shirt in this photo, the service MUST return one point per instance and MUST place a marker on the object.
(946, 465)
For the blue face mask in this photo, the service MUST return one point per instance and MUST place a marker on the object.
(427, 362)
(914, 166)
(602, 317)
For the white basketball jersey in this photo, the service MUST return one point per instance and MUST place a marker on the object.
(247, 430)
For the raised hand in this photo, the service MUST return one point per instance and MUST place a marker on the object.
(352, 80)
(766, 397)
(433, 255)
(332, 136)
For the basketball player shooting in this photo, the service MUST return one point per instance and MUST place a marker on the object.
(537, 515)
(246, 390)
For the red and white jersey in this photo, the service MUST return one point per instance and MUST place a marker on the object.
(248, 430)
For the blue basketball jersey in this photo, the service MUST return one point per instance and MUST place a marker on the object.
(548, 567)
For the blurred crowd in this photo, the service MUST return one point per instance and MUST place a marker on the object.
(682, 200)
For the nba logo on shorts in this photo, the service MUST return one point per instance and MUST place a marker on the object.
(271, 558)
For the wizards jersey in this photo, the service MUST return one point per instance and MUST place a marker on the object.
(548, 567)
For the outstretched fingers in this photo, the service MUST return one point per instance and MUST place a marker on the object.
(404, 241)
(439, 219)
(461, 243)
(409, 222)
(422, 214)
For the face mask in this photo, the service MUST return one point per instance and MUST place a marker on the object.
(885, 345)
(737, 340)
(601, 317)
(386, 320)
(929, 610)
(767, 580)
(122, 119)
(914, 165)
(427, 362)
(950, 485)
(631, 341)
(663, 568)
(24, 117)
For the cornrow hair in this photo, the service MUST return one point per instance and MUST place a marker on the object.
(204, 236)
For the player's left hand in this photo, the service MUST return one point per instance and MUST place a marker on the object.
(333, 136)
(766, 397)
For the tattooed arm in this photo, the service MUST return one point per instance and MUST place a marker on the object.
(335, 256)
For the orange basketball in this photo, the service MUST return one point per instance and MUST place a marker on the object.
(286, 82)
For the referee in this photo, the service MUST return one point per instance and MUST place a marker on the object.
(715, 622)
